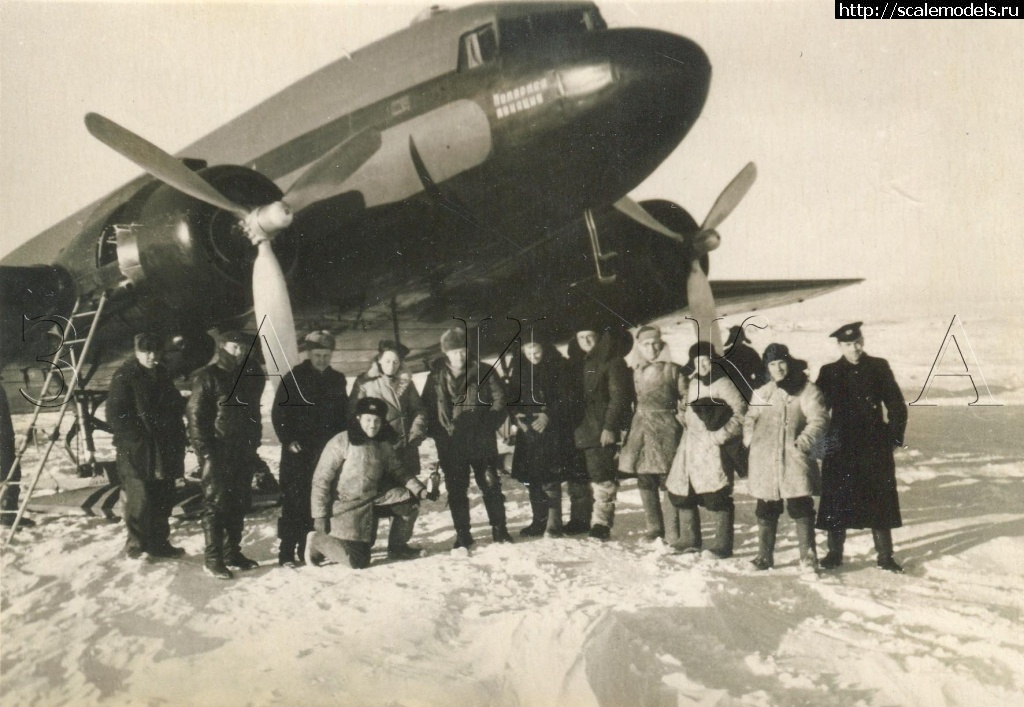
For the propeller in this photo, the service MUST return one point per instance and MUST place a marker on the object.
(261, 224)
(698, 289)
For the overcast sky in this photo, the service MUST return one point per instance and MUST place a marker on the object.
(890, 150)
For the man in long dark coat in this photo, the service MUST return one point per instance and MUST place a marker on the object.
(225, 426)
(869, 417)
(603, 388)
(144, 410)
(743, 364)
(8, 453)
(309, 408)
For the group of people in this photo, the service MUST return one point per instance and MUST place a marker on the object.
(350, 458)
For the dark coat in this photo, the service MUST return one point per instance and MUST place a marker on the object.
(463, 416)
(310, 425)
(601, 388)
(869, 417)
(144, 411)
(217, 423)
(745, 369)
(540, 457)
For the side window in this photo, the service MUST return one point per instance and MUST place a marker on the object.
(478, 47)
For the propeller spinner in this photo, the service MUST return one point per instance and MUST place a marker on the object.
(698, 289)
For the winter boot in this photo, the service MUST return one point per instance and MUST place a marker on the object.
(213, 532)
(805, 540)
(883, 546)
(652, 511)
(286, 551)
(554, 525)
(402, 522)
(232, 552)
(834, 557)
(689, 531)
(463, 539)
(670, 514)
(599, 531)
(539, 508)
(499, 534)
(723, 533)
(494, 501)
(766, 531)
(581, 508)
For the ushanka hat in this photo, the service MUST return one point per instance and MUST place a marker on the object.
(454, 338)
(148, 342)
(372, 406)
(737, 335)
(322, 339)
(780, 352)
(236, 336)
(648, 332)
(847, 332)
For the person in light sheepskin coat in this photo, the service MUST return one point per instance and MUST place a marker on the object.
(655, 430)
(360, 467)
(713, 420)
(786, 420)
(388, 380)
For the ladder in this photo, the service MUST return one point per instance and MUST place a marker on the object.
(86, 317)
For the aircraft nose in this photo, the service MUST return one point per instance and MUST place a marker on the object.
(664, 77)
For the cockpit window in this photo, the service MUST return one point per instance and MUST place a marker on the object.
(478, 47)
(520, 32)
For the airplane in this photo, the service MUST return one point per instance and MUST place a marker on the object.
(475, 164)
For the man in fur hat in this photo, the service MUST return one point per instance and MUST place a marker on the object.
(310, 407)
(463, 416)
(359, 465)
(602, 389)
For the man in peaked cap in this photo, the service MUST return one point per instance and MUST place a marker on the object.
(869, 417)
(144, 411)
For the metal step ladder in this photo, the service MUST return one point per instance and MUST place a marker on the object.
(85, 317)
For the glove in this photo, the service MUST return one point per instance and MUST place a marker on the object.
(607, 438)
(433, 486)
(322, 525)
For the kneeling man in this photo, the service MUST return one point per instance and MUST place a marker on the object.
(361, 466)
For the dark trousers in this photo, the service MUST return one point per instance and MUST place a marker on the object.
(720, 500)
(147, 506)
(296, 518)
(227, 496)
(802, 507)
(456, 481)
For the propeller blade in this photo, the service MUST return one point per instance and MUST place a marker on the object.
(702, 306)
(639, 214)
(730, 197)
(166, 168)
(273, 308)
(324, 177)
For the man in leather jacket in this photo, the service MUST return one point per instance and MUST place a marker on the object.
(224, 427)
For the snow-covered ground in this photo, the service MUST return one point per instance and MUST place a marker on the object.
(572, 621)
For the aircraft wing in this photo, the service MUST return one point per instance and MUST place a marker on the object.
(737, 296)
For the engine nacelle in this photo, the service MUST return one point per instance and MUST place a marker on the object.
(191, 263)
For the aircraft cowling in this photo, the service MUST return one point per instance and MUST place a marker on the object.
(189, 262)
